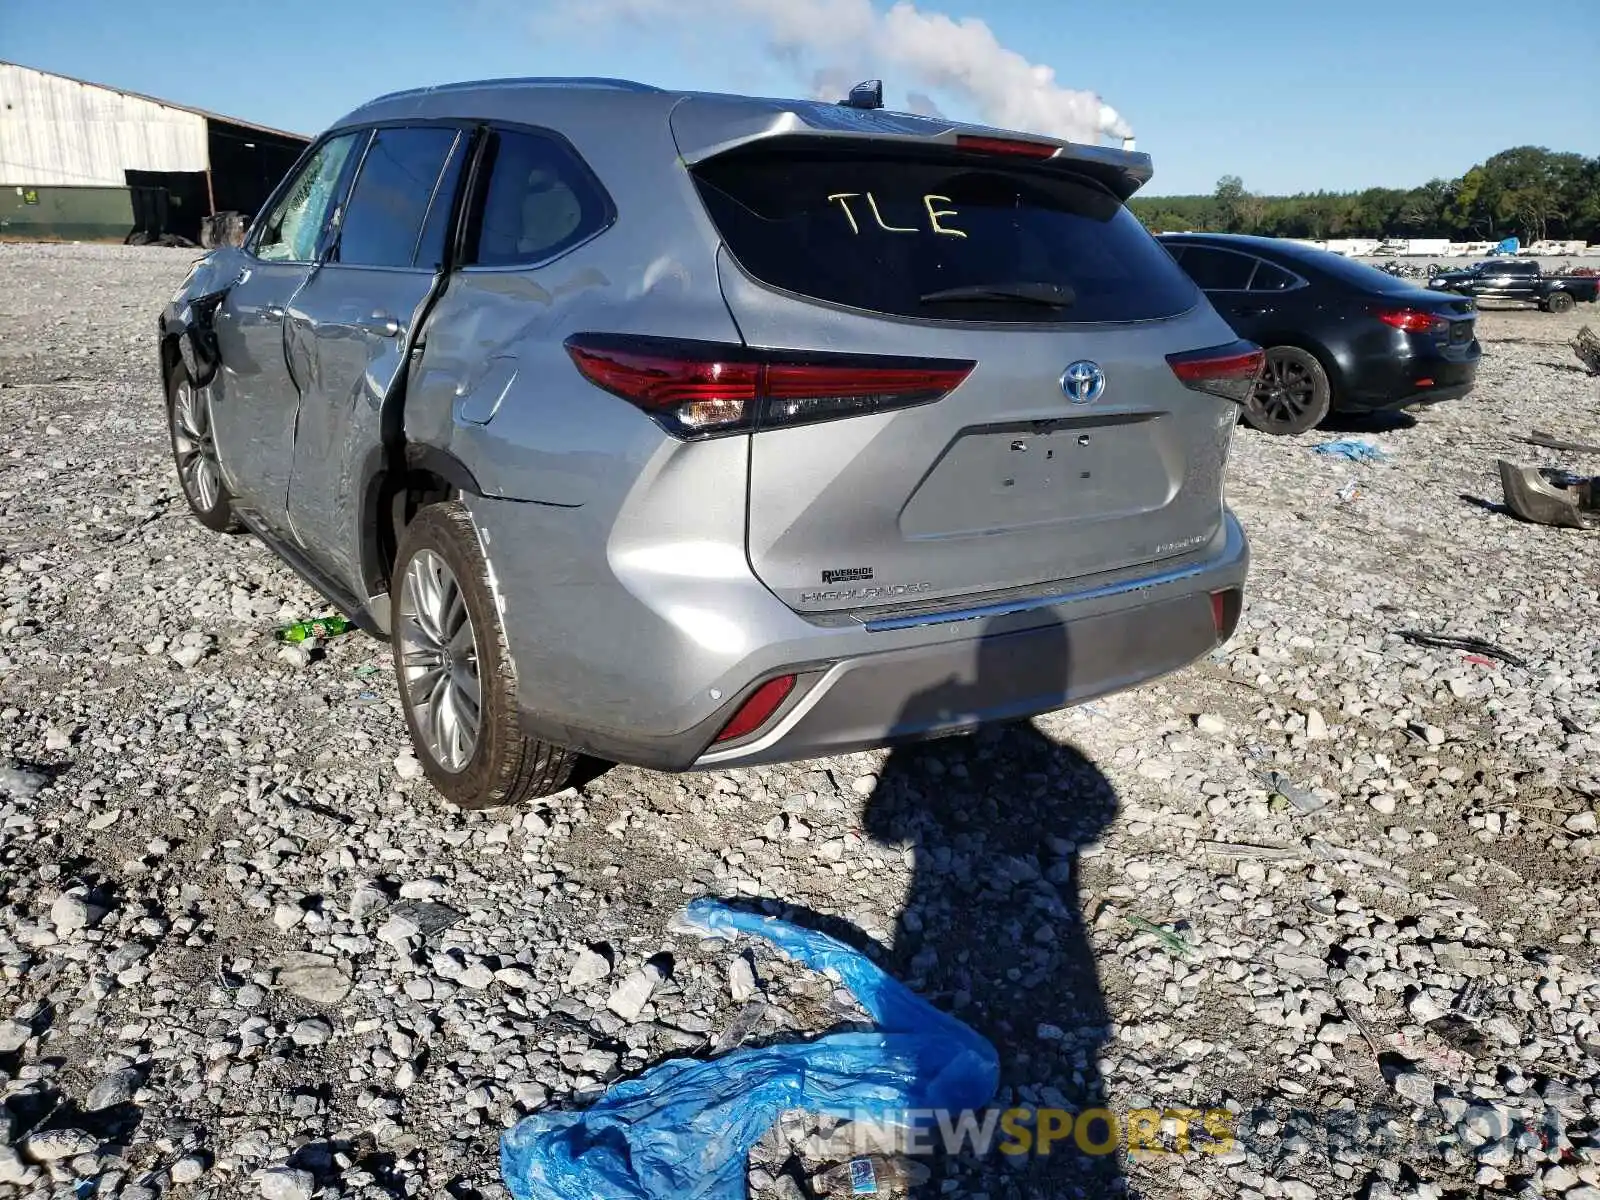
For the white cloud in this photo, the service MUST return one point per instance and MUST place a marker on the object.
(831, 44)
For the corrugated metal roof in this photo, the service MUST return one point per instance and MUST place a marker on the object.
(203, 112)
(57, 130)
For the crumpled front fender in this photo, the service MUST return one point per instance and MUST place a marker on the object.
(189, 316)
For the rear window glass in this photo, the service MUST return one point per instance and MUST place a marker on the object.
(1358, 275)
(882, 233)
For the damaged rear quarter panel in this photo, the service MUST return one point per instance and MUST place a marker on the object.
(495, 388)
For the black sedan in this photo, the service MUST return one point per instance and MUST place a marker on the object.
(1339, 336)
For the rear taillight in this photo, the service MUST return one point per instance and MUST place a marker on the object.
(1226, 606)
(695, 389)
(1228, 371)
(994, 145)
(1412, 320)
(758, 709)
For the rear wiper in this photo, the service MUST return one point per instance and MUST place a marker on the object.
(1052, 295)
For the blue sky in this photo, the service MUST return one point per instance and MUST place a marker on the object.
(1286, 94)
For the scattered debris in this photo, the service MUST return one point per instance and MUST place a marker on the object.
(871, 1175)
(1587, 347)
(1549, 441)
(1303, 800)
(685, 1126)
(1175, 942)
(740, 1028)
(1547, 496)
(1357, 450)
(1349, 492)
(321, 628)
(1474, 645)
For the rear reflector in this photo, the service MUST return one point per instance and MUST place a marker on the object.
(1228, 371)
(994, 145)
(1412, 320)
(757, 711)
(695, 389)
(1225, 609)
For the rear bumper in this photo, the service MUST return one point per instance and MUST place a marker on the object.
(996, 672)
(1398, 382)
(861, 684)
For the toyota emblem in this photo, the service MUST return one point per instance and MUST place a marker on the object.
(1083, 381)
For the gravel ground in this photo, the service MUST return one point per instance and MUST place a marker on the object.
(245, 951)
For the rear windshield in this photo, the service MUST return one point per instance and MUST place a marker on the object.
(881, 233)
(1358, 275)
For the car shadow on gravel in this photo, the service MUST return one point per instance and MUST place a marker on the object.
(1382, 421)
(992, 928)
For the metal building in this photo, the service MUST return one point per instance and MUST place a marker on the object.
(83, 161)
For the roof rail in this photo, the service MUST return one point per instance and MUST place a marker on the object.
(544, 81)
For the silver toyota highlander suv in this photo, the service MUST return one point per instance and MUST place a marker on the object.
(694, 430)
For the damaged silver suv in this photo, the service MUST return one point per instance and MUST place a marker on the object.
(699, 431)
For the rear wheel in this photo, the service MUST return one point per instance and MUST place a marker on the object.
(457, 685)
(1293, 394)
(1560, 302)
(195, 451)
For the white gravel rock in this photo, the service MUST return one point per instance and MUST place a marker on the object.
(285, 1183)
(272, 855)
(592, 965)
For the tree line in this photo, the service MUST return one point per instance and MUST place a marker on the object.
(1527, 192)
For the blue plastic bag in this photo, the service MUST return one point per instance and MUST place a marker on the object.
(683, 1130)
(1354, 449)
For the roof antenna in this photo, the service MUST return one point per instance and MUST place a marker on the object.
(865, 95)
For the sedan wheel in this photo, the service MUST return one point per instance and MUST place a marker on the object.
(439, 661)
(1293, 394)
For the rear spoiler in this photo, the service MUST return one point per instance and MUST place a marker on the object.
(707, 126)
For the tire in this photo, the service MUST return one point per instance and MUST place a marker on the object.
(1560, 302)
(1293, 396)
(448, 641)
(194, 453)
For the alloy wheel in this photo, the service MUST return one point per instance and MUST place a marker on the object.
(196, 451)
(1285, 392)
(439, 661)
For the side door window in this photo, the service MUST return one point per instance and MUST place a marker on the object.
(407, 175)
(1218, 270)
(539, 201)
(293, 229)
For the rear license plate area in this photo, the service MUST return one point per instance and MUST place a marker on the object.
(992, 480)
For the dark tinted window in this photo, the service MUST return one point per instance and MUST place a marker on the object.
(390, 199)
(1269, 278)
(881, 233)
(436, 229)
(540, 200)
(1352, 273)
(1218, 270)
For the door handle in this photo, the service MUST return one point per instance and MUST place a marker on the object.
(1251, 310)
(380, 323)
(273, 312)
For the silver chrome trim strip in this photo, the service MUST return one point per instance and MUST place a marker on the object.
(1006, 608)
